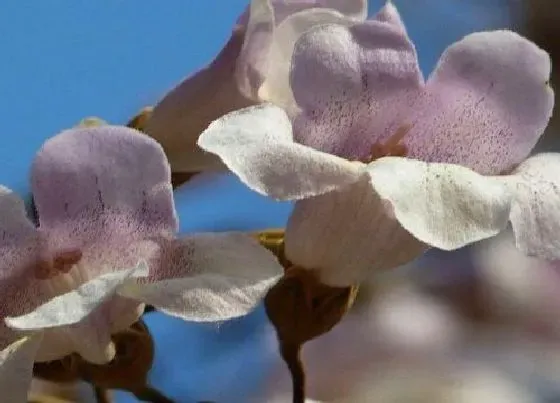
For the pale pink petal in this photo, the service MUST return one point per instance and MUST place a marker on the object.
(80, 317)
(103, 179)
(535, 214)
(256, 144)
(179, 118)
(348, 234)
(443, 205)
(16, 368)
(19, 249)
(103, 191)
(390, 14)
(486, 104)
(372, 72)
(210, 277)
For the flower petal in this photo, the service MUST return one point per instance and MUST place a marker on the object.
(16, 368)
(486, 104)
(74, 306)
(356, 9)
(103, 179)
(179, 118)
(256, 144)
(210, 277)
(19, 248)
(272, 28)
(275, 87)
(443, 205)
(372, 71)
(535, 213)
(252, 63)
(346, 235)
(390, 14)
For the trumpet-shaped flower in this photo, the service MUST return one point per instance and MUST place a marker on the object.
(252, 67)
(105, 245)
(384, 164)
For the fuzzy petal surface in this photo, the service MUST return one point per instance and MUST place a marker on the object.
(372, 73)
(443, 205)
(78, 315)
(485, 105)
(257, 144)
(535, 215)
(210, 277)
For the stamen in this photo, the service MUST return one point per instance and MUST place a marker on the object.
(64, 261)
(392, 147)
(44, 270)
(61, 263)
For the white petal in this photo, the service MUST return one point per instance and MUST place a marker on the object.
(256, 143)
(443, 205)
(16, 368)
(348, 234)
(252, 61)
(211, 277)
(74, 306)
(535, 213)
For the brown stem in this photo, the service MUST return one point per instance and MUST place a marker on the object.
(291, 355)
(101, 395)
(149, 394)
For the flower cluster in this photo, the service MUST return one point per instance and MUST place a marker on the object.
(312, 102)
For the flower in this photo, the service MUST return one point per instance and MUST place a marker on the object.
(106, 245)
(252, 67)
(384, 165)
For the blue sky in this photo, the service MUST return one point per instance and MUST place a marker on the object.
(67, 59)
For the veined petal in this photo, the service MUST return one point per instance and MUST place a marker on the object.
(210, 277)
(256, 143)
(16, 368)
(372, 73)
(485, 105)
(74, 306)
(91, 181)
(535, 213)
(443, 205)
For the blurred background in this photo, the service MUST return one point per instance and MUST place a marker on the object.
(477, 325)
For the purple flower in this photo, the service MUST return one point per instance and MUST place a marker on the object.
(105, 246)
(384, 164)
(253, 67)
